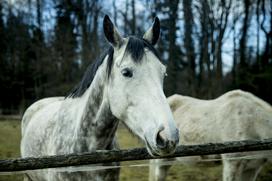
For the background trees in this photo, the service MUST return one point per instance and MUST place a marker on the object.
(210, 46)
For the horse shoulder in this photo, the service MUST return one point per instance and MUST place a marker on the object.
(174, 101)
(191, 116)
(35, 107)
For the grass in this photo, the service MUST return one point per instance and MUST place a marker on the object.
(10, 135)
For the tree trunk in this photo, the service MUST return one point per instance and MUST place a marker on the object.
(234, 66)
(188, 43)
(114, 12)
(204, 59)
(258, 33)
(268, 35)
(126, 19)
(39, 13)
(243, 40)
(133, 21)
(94, 33)
(171, 79)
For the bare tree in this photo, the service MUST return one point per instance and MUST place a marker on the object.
(188, 43)
(114, 12)
(204, 58)
(221, 28)
(258, 32)
(244, 32)
(172, 79)
(133, 21)
(268, 33)
(95, 47)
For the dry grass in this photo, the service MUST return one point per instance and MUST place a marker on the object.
(10, 135)
(10, 146)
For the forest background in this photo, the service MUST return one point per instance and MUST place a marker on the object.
(210, 46)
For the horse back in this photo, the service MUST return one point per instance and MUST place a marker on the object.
(246, 97)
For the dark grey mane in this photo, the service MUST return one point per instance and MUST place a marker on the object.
(135, 47)
(88, 77)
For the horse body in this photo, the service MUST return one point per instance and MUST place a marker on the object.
(234, 116)
(56, 126)
(122, 85)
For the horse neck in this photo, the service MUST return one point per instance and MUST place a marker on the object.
(96, 127)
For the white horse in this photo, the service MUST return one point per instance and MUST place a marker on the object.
(235, 116)
(125, 84)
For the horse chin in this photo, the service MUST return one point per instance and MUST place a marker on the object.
(151, 151)
(154, 152)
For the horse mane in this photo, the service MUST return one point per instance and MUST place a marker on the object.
(135, 47)
(89, 75)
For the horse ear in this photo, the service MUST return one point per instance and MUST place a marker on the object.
(111, 33)
(152, 35)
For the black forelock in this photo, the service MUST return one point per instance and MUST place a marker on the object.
(135, 47)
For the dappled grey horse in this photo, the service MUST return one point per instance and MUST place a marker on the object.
(124, 84)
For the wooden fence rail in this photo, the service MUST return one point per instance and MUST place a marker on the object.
(21, 164)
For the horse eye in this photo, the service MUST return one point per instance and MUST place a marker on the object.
(127, 72)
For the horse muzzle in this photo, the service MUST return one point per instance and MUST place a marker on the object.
(162, 143)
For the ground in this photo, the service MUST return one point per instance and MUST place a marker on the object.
(10, 134)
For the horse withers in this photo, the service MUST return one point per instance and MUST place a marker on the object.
(125, 84)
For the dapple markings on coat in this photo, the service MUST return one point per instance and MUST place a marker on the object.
(124, 84)
(234, 116)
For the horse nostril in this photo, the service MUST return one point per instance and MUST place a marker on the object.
(160, 141)
(172, 143)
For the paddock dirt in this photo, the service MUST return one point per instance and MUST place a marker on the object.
(133, 171)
